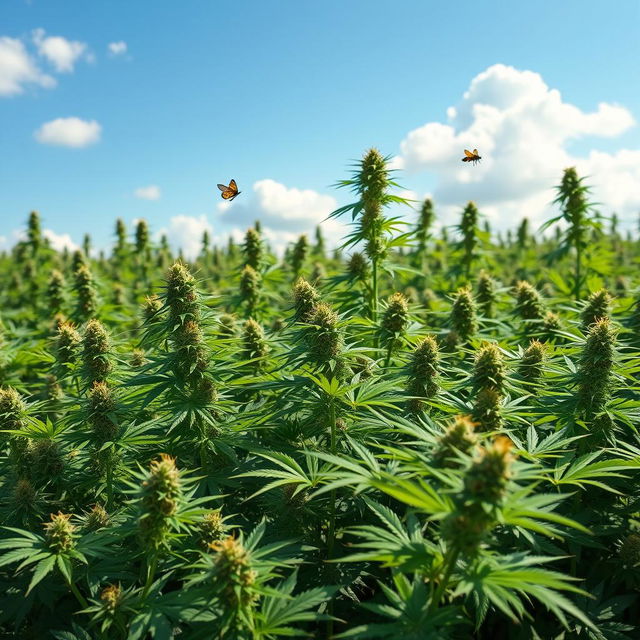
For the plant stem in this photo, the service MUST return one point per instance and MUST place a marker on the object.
(109, 486)
(151, 572)
(389, 349)
(374, 288)
(332, 513)
(450, 566)
(578, 275)
(423, 267)
(79, 597)
(203, 452)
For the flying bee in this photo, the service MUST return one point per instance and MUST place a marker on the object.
(471, 157)
(230, 192)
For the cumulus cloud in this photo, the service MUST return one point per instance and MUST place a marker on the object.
(285, 212)
(616, 177)
(152, 192)
(185, 232)
(69, 132)
(60, 241)
(117, 48)
(57, 241)
(61, 53)
(18, 69)
(17, 235)
(522, 129)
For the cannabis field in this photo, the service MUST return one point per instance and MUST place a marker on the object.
(430, 432)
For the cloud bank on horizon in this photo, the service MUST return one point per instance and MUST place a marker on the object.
(522, 127)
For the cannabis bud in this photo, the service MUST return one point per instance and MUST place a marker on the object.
(233, 569)
(159, 496)
(96, 349)
(489, 371)
(60, 533)
(396, 315)
(463, 314)
(459, 436)
(423, 371)
(305, 297)
(598, 306)
(13, 410)
(530, 367)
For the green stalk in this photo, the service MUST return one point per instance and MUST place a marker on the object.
(79, 597)
(388, 358)
(109, 486)
(578, 261)
(423, 266)
(332, 513)
(450, 566)
(374, 289)
(151, 572)
(203, 453)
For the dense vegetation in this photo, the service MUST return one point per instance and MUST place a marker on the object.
(422, 435)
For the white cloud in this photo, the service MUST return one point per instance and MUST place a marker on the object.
(185, 232)
(17, 69)
(152, 192)
(69, 132)
(616, 179)
(522, 129)
(17, 235)
(60, 241)
(117, 48)
(285, 212)
(60, 52)
(277, 240)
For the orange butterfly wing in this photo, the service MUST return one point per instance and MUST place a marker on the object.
(229, 192)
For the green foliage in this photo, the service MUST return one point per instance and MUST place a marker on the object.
(463, 315)
(486, 294)
(327, 445)
(580, 228)
(471, 238)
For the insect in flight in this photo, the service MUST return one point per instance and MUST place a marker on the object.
(471, 157)
(230, 192)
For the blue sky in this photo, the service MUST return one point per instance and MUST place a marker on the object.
(284, 94)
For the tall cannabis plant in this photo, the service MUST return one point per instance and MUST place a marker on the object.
(371, 182)
(577, 213)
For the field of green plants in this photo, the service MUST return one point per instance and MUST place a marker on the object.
(428, 433)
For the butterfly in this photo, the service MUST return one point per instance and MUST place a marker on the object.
(470, 157)
(230, 192)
